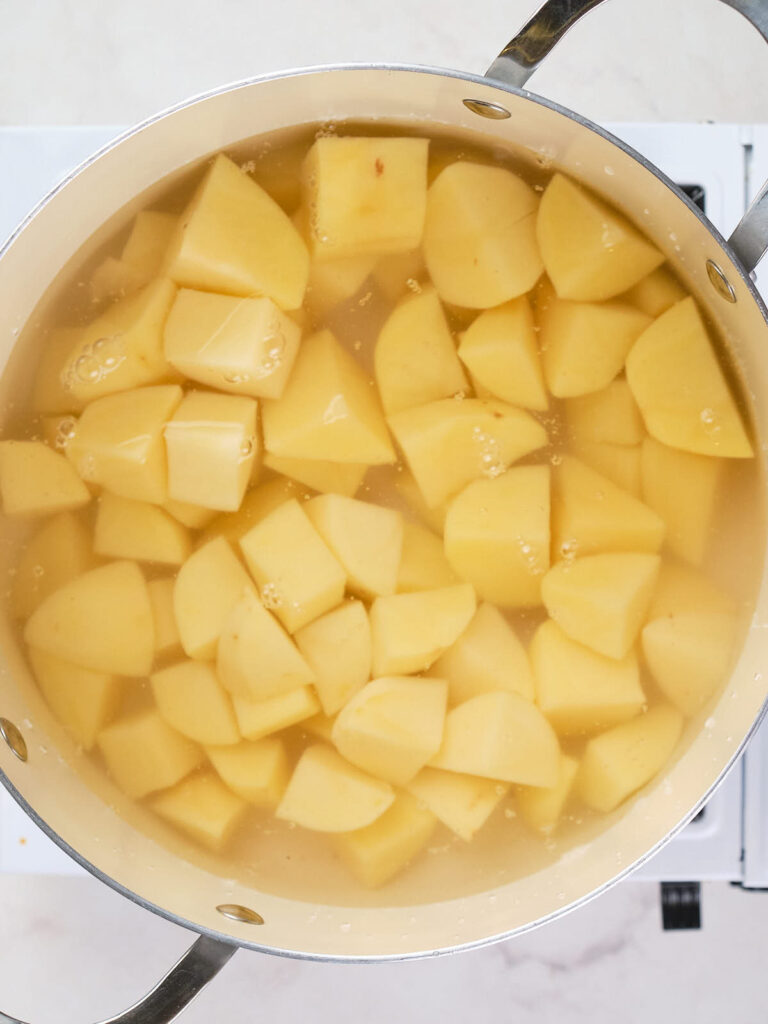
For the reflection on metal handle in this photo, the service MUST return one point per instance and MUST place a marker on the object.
(523, 54)
(177, 989)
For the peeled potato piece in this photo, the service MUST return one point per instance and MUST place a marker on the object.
(35, 480)
(462, 802)
(257, 771)
(423, 565)
(167, 639)
(337, 647)
(143, 753)
(609, 416)
(135, 529)
(319, 474)
(114, 279)
(190, 697)
(258, 718)
(681, 590)
(146, 245)
(619, 463)
(202, 807)
(56, 554)
(256, 505)
(399, 273)
(82, 700)
(542, 807)
(654, 294)
(193, 516)
(413, 500)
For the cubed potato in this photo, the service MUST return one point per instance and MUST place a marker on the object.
(328, 794)
(320, 726)
(542, 807)
(123, 347)
(654, 294)
(333, 281)
(590, 251)
(366, 196)
(584, 345)
(500, 736)
(618, 762)
(245, 346)
(147, 243)
(480, 235)
(398, 274)
(681, 390)
(591, 514)
(114, 279)
(56, 554)
(462, 802)
(167, 639)
(681, 590)
(579, 690)
(256, 658)
(367, 540)
(449, 443)
(101, 620)
(414, 502)
(212, 443)
(49, 393)
(488, 656)
(497, 536)
(257, 771)
(682, 488)
(190, 697)
(81, 700)
(258, 718)
(36, 481)
(207, 588)
(234, 238)
(609, 416)
(135, 529)
(423, 565)
(337, 647)
(118, 442)
(392, 727)
(319, 474)
(501, 352)
(689, 655)
(194, 516)
(415, 357)
(298, 576)
(256, 505)
(375, 853)
(602, 600)
(328, 410)
(619, 463)
(202, 807)
(143, 753)
(411, 631)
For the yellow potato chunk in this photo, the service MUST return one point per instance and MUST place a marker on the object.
(682, 488)
(579, 690)
(59, 551)
(462, 802)
(367, 540)
(337, 647)
(334, 280)
(135, 529)
(83, 701)
(328, 794)
(591, 514)
(602, 600)
(256, 657)
(400, 273)
(143, 753)
(392, 727)
(203, 808)
(258, 718)
(654, 294)
(365, 196)
(449, 443)
(620, 761)
(207, 588)
(423, 565)
(480, 235)
(193, 516)
(118, 442)
(114, 279)
(190, 697)
(375, 853)
(146, 245)
(256, 505)
(681, 590)
(212, 444)
(413, 500)
(167, 639)
(497, 536)
(297, 574)
(101, 620)
(257, 771)
(619, 463)
(35, 480)
(234, 238)
(681, 390)
(411, 631)
(500, 736)
(542, 807)
(123, 347)
(415, 357)
(320, 726)
(590, 251)
(584, 345)
(327, 410)
(49, 394)
(609, 416)
(501, 352)
(245, 346)
(488, 656)
(319, 474)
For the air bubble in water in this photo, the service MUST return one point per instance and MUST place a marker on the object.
(270, 596)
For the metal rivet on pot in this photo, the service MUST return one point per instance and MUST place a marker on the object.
(13, 738)
(720, 282)
(237, 913)
(485, 109)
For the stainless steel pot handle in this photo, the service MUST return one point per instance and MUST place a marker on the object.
(525, 52)
(202, 962)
